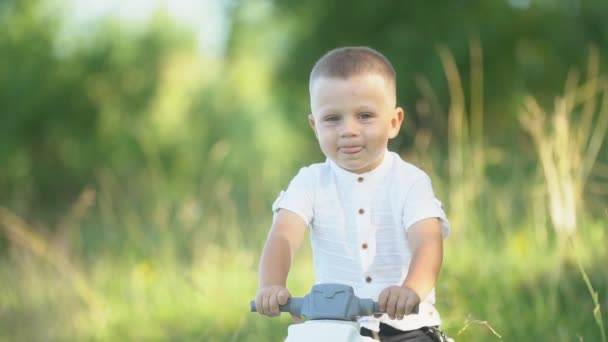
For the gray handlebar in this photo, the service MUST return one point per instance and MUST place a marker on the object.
(293, 306)
(368, 307)
(329, 301)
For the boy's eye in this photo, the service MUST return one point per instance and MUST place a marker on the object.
(332, 118)
(365, 116)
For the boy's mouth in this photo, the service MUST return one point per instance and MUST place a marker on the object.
(351, 149)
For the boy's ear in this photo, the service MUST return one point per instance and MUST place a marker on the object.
(312, 123)
(396, 121)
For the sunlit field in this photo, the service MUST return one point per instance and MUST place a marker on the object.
(515, 288)
(184, 270)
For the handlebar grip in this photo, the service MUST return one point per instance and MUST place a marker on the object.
(282, 308)
(293, 306)
(369, 307)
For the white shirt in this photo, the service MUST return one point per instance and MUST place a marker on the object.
(358, 225)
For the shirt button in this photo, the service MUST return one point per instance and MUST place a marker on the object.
(364, 246)
(361, 211)
(368, 279)
(360, 179)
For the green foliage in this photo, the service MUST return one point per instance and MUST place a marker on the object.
(64, 116)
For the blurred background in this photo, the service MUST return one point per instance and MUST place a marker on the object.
(143, 142)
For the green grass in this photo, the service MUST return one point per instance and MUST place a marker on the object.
(524, 291)
(496, 286)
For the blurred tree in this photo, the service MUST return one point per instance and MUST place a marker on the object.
(141, 116)
(65, 114)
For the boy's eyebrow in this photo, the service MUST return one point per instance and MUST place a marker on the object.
(325, 114)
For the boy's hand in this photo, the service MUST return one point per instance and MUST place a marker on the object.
(398, 301)
(268, 299)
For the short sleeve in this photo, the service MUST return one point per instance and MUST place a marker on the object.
(298, 198)
(421, 203)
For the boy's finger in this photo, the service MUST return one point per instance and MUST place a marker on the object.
(273, 305)
(258, 304)
(382, 300)
(410, 304)
(265, 305)
(400, 309)
(282, 297)
(391, 304)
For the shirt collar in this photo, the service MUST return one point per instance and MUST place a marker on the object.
(379, 172)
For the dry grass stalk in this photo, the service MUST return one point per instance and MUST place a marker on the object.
(567, 147)
(469, 321)
(467, 161)
(66, 228)
(24, 236)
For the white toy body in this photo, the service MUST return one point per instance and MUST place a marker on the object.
(325, 331)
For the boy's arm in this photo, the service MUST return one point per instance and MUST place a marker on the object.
(426, 243)
(284, 239)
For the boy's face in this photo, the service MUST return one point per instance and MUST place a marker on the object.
(353, 119)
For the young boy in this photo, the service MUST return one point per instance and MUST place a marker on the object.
(374, 221)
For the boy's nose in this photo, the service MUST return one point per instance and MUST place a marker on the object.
(350, 128)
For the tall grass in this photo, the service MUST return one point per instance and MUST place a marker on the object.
(568, 146)
(123, 266)
(567, 151)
